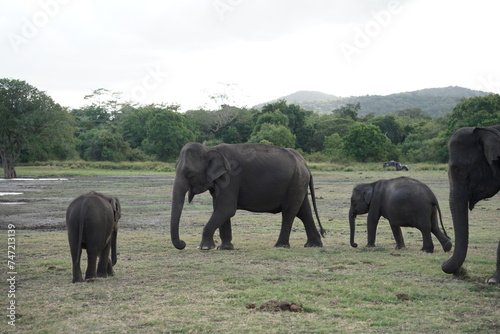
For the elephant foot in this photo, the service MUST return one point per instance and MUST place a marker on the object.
(314, 244)
(447, 246)
(428, 250)
(77, 279)
(206, 245)
(102, 275)
(400, 247)
(228, 246)
(283, 245)
(495, 279)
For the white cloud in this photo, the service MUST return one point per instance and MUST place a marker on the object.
(267, 48)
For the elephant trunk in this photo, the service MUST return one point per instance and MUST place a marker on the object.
(178, 198)
(113, 248)
(460, 216)
(352, 223)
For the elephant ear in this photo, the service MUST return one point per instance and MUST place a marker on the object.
(490, 139)
(367, 195)
(115, 204)
(218, 165)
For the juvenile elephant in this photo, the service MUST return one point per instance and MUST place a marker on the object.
(474, 174)
(253, 177)
(404, 202)
(92, 223)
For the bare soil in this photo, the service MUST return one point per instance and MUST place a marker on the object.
(40, 203)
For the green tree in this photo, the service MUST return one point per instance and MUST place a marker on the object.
(275, 117)
(167, 132)
(273, 134)
(134, 125)
(31, 122)
(349, 111)
(475, 111)
(390, 127)
(365, 142)
(297, 121)
(103, 144)
(332, 146)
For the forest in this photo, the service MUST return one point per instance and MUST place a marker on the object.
(34, 127)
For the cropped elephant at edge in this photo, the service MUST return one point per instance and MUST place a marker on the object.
(253, 177)
(405, 202)
(92, 224)
(474, 174)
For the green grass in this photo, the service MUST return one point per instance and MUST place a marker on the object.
(159, 289)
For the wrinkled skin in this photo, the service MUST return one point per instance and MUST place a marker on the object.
(404, 202)
(92, 224)
(474, 174)
(253, 177)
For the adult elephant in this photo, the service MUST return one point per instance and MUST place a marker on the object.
(92, 224)
(474, 174)
(404, 202)
(253, 177)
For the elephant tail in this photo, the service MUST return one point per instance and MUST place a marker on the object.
(81, 224)
(311, 186)
(441, 220)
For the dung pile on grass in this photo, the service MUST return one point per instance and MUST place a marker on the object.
(277, 306)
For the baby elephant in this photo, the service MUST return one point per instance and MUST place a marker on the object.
(404, 202)
(92, 223)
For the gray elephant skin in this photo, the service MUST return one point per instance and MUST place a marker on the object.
(474, 174)
(253, 177)
(405, 202)
(92, 224)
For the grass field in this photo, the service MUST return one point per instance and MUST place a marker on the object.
(159, 289)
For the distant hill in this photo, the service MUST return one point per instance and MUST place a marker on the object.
(434, 101)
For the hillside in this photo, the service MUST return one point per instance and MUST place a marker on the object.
(434, 101)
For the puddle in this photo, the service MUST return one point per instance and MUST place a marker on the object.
(12, 203)
(10, 194)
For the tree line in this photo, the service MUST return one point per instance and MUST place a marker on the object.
(33, 127)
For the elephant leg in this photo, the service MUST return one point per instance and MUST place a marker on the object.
(496, 276)
(286, 228)
(102, 266)
(110, 270)
(218, 218)
(443, 239)
(77, 271)
(91, 264)
(225, 233)
(398, 236)
(372, 223)
(305, 215)
(428, 246)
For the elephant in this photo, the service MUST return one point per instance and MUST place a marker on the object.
(404, 202)
(92, 224)
(473, 174)
(252, 177)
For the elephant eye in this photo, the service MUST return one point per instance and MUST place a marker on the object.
(459, 171)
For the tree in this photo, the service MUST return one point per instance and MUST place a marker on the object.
(297, 121)
(390, 127)
(349, 111)
(365, 142)
(31, 122)
(103, 144)
(273, 134)
(475, 111)
(167, 132)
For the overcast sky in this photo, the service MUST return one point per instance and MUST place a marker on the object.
(183, 51)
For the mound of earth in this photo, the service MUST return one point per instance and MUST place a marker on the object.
(277, 306)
